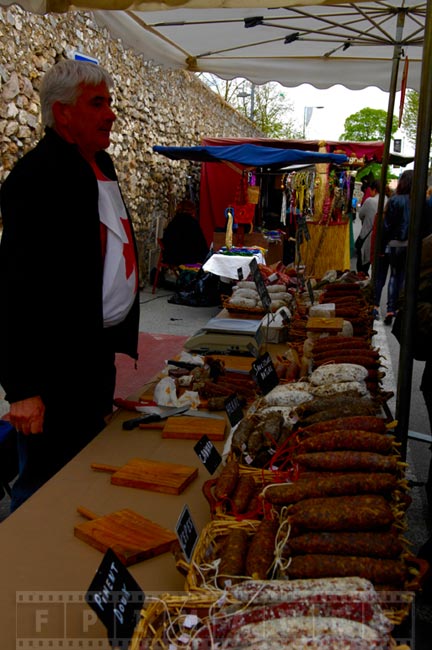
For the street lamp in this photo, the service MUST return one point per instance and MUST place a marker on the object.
(252, 98)
(307, 114)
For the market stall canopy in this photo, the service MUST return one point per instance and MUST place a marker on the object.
(250, 154)
(348, 43)
(304, 41)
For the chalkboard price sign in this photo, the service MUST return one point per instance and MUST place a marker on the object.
(116, 598)
(208, 454)
(233, 409)
(186, 533)
(265, 373)
(260, 285)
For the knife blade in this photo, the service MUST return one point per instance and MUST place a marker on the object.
(162, 414)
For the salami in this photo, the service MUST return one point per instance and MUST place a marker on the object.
(227, 480)
(280, 591)
(319, 486)
(356, 461)
(243, 493)
(345, 440)
(360, 422)
(360, 512)
(378, 571)
(232, 557)
(261, 550)
(385, 545)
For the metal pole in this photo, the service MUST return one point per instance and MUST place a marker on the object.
(387, 141)
(418, 197)
(252, 105)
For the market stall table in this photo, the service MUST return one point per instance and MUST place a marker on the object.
(227, 266)
(46, 570)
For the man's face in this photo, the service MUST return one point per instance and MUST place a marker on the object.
(88, 122)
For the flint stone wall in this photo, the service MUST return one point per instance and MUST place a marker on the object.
(153, 106)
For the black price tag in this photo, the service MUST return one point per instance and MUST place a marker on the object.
(285, 317)
(208, 454)
(240, 273)
(264, 373)
(233, 409)
(186, 533)
(116, 598)
(310, 292)
(260, 285)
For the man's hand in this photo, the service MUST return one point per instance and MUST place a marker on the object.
(27, 415)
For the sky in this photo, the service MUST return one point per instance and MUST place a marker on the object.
(338, 103)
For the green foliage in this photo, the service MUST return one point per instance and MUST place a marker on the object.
(265, 105)
(410, 115)
(367, 125)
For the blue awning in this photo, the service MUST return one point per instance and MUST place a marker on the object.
(251, 155)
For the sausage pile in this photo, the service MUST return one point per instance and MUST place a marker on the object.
(313, 497)
(298, 615)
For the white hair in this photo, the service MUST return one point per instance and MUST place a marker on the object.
(61, 84)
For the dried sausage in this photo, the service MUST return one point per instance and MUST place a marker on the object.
(261, 550)
(360, 512)
(227, 480)
(355, 461)
(369, 543)
(232, 556)
(243, 493)
(378, 571)
(361, 422)
(320, 486)
(343, 439)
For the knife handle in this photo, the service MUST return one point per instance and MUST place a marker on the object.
(100, 467)
(131, 424)
(85, 512)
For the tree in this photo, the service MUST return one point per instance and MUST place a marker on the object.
(410, 115)
(265, 105)
(367, 125)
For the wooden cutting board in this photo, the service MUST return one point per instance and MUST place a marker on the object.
(320, 324)
(154, 475)
(133, 538)
(232, 362)
(193, 428)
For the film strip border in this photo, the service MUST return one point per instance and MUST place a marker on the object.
(62, 620)
(58, 620)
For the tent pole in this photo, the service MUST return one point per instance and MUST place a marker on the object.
(418, 197)
(387, 141)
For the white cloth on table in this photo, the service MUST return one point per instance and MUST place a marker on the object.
(227, 266)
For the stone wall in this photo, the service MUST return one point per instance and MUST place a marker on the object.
(153, 106)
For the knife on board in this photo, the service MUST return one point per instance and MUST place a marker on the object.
(149, 408)
(156, 414)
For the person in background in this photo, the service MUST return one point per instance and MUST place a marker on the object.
(424, 317)
(183, 240)
(68, 277)
(395, 239)
(367, 214)
(365, 188)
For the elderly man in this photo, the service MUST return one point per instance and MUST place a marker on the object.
(68, 277)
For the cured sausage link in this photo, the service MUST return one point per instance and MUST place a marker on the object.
(320, 486)
(378, 571)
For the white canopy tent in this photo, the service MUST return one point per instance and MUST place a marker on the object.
(321, 43)
(356, 44)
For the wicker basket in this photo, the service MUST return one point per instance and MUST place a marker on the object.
(164, 618)
(201, 572)
(162, 621)
(223, 509)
